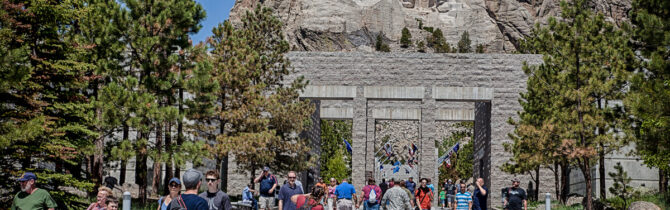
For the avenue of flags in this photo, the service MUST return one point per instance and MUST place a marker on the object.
(446, 158)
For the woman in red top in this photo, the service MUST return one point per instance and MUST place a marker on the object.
(314, 199)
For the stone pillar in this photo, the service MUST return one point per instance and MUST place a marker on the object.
(359, 139)
(427, 133)
(482, 144)
(370, 146)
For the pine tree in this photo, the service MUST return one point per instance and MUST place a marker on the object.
(621, 185)
(464, 43)
(589, 57)
(45, 115)
(380, 45)
(158, 37)
(480, 48)
(406, 38)
(437, 41)
(259, 112)
(649, 97)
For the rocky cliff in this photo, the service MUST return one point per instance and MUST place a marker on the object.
(352, 25)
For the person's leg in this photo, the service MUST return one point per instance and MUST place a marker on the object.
(272, 203)
(262, 203)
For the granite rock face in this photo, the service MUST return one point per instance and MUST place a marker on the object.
(352, 25)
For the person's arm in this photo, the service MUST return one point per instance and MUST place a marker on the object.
(272, 190)
(470, 204)
(258, 179)
(525, 205)
(353, 196)
(481, 190)
(225, 203)
(384, 199)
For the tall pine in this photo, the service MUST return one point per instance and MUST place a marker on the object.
(590, 59)
(649, 98)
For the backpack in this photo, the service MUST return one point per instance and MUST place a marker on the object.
(178, 204)
(372, 197)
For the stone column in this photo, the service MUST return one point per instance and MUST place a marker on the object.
(359, 141)
(427, 131)
(314, 135)
(482, 143)
(370, 146)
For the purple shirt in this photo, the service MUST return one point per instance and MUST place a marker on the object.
(368, 188)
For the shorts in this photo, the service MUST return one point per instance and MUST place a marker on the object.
(344, 204)
(266, 202)
(442, 201)
(450, 198)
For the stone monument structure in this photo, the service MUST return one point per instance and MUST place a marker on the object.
(366, 87)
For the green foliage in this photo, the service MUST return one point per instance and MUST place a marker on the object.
(335, 160)
(429, 29)
(464, 44)
(437, 41)
(380, 45)
(649, 96)
(621, 186)
(462, 162)
(480, 48)
(420, 23)
(260, 114)
(421, 47)
(406, 38)
(584, 69)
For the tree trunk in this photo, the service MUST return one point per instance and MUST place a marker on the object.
(557, 185)
(224, 158)
(168, 163)
(662, 182)
(141, 167)
(601, 173)
(586, 171)
(124, 162)
(537, 183)
(180, 128)
(565, 186)
(156, 181)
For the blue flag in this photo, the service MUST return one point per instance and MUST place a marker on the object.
(348, 145)
(397, 167)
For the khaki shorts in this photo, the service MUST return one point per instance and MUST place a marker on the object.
(266, 202)
(344, 204)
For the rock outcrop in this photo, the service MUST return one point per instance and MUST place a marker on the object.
(352, 25)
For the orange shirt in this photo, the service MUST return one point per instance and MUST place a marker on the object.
(324, 186)
(424, 198)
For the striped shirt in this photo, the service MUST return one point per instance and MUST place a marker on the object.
(462, 201)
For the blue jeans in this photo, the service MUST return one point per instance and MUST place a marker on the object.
(368, 206)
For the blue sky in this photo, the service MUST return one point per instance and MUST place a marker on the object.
(217, 12)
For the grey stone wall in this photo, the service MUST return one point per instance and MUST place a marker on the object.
(393, 80)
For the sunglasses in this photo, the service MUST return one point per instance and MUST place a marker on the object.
(174, 185)
(211, 180)
(291, 177)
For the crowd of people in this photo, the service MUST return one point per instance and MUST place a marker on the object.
(387, 195)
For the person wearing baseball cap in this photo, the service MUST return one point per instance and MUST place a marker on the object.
(516, 197)
(267, 189)
(189, 199)
(174, 186)
(32, 197)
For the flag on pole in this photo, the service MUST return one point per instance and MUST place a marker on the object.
(396, 167)
(447, 157)
(348, 145)
(412, 149)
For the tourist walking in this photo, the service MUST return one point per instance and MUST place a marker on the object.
(411, 186)
(396, 199)
(268, 183)
(192, 180)
(330, 202)
(313, 200)
(480, 195)
(101, 199)
(371, 196)
(430, 184)
(423, 195)
(32, 197)
(409, 194)
(248, 196)
(463, 199)
(345, 194)
(443, 198)
(384, 186)
(216, 199)
(174, 187)
(516, 197)
(287, 191)
(451, 192)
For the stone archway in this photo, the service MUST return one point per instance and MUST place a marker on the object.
(366, 87)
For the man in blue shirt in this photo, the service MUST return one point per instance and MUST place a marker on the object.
(410, 185)
(480, 195)
(344, 193)
(267, 189)
(190, 199)
(287, 191)
(463, 199)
